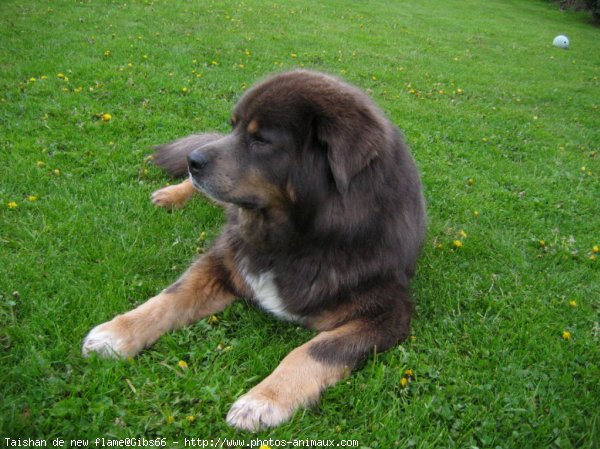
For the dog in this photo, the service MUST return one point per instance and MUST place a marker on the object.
(325, 223)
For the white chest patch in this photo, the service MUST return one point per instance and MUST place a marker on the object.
(266, 294)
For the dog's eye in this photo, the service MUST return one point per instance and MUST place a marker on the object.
(259, 139)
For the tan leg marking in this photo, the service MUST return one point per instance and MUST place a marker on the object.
(198, 293)
(297, 382)
(174, 196)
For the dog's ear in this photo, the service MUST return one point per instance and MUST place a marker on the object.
(353, 138)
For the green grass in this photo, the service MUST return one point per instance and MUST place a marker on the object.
(500, 122)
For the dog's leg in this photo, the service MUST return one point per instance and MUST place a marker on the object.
(309, 369)
(203, 289)
(174, 196)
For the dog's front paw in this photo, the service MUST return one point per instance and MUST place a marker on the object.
(255, 411)
(107, 340)
(170, 197)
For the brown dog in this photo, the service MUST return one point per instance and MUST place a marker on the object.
(325, 223)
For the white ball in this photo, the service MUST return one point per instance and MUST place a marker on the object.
(561, 42)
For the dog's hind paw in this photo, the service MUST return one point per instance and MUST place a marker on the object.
(167, 197)
(254, 412)
(174, 196)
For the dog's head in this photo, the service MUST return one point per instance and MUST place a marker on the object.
(279, 126)
(296, 138)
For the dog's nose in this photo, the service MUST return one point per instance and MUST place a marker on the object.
(197, 161)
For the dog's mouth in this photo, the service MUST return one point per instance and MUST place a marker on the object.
(249, 205)
(247, 202)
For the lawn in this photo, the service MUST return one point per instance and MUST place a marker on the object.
(505, 346)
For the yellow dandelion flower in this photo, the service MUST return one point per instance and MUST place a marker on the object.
(566, 335)
(56, 172)
(32, 198)
(573, 303)
(32, 80)
(596, 249)
(459, 91)
(60, 76)
(106, 117)
(264, 446)
(203, 235)
(213, 319)
(470, 181)
(190, 418)
(43, 77)
(106, 53)
(170, 419)
(40, 163)
(408, 373)
(592, 257)
(457, 244)
(184, 90)
(403, 382)
(182, 364)
(476, 213)
(463, 234)
(439, 246)
(214, 63)
(542, 243)
(293, 55)
(12, 205)
(247, 52)
(413, 338)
